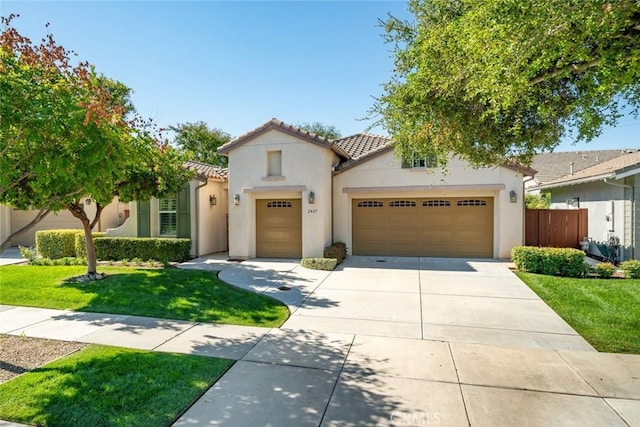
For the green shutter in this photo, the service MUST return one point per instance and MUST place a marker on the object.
(183, 212)
(144, 218)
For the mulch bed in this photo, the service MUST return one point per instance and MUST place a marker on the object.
(20, 354)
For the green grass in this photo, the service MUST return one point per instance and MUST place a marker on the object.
(606, 312)
(198, 296)
(109, 386)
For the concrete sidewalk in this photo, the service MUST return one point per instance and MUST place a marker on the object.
(291, 377)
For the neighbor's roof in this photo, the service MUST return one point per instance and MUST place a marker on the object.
(551, 166)
(205, 170)
(617, 168)
(286, 128)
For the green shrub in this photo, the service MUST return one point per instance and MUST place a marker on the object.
(319, 263)
(161, 249)
(56, 243)
(631, 269)
(29, 253)
(80, 243)
(338, 251)
(605, 269)
(550, 261)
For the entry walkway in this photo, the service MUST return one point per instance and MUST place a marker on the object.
(452, 342)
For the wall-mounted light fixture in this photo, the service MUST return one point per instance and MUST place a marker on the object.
(513, 196)
(312, 197)
(87, 201)
(213, 200)
(236, 199)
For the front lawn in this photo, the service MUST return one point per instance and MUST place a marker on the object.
(197, 296)
(109, 386)
(606, 312)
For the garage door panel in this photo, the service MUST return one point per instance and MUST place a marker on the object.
(279, 228)
(451, 227)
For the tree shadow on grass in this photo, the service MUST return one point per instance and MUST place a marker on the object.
(104, 386)
(196, 296)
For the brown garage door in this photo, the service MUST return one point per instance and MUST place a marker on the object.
(279, 228)
(447, 227)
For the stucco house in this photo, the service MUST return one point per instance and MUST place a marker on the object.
(291, 193)
(610, 190)
(197, 212)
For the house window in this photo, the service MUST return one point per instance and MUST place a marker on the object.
(167, 209)
(274, 163)
(418, 161)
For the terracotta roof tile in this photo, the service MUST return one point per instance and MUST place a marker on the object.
(361, 144)
(286, 128)
(207, 170)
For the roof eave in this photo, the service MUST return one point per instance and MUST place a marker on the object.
(567, 183)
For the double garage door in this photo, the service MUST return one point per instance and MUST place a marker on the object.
(441, 227)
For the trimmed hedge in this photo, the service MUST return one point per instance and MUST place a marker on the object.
(55, 244)
(81, 245)
(338, 251)
(631, 269)
(144, 248)
(550, 261)
(319, 263)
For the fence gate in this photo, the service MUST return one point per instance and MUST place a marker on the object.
(560, 228)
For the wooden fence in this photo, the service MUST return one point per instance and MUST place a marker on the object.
(560, 228)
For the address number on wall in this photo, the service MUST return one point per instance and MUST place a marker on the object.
(312, 210)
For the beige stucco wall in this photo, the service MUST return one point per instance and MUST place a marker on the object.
(212, 225)
(5, 222)
(383, 176)
(112, 215)
(305, 165)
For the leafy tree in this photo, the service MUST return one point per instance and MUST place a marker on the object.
(65, 134)
(328, 131)
(499, 80)
(537, 201)
(199, 142)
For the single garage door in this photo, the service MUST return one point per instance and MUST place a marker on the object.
(442, 227)
(279, 228)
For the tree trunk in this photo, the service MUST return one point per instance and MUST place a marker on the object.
(78, 211)
(92, 259)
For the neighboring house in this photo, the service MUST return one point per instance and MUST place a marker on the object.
(610, 190)
(12, 220)
(291, 193)
(198, 212)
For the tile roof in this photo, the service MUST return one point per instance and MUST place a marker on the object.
(363, 143)
(207, 170)
(608, 169)
(551, 166)
(286, 128)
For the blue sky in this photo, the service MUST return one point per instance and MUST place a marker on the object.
(236, 64)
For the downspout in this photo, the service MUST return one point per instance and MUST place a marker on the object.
(633, 210)
(206, 181)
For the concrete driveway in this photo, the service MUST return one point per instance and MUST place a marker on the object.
(415, 341)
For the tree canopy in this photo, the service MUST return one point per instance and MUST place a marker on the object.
(67, 132)
(199, 142)
(319, 128)
(500, 80)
